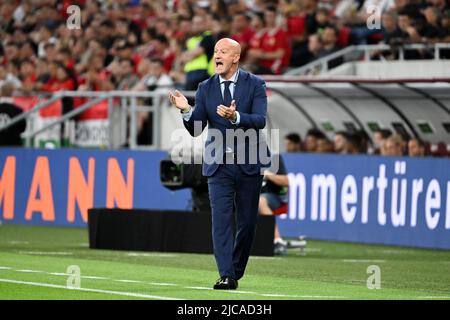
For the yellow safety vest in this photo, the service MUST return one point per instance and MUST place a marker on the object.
(201, 62)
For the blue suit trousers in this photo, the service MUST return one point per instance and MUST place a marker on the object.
(234, 198)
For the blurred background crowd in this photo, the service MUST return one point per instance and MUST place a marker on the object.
(153, 44)
(386, 143)
(144, 44)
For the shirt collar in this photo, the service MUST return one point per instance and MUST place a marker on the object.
(233, 78)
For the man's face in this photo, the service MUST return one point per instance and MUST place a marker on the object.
(126, 68)
(329, 36)
(414, 149)
(403, 22)
(270, 18)
(388, 22)
(239, 22)
(291, 146)
(256, 23)
(226, 57)
(392, 148)
(324, 146)
(311, 143)
(156, 69)
(2, 72)
(314, 43)
(198, 25)
(339, 142)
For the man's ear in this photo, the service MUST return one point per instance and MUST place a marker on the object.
(236, 58)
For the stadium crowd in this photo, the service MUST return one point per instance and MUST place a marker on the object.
(134, 44)
(385, 143)
(151, 44)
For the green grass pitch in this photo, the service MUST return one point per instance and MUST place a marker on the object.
(34, 264)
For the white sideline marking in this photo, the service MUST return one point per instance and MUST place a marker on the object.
(55, 253)
(244, 292)
(295, 296)
(18, 242)
(199, 288)
(94, 277)
(434, 297)
(59, 274)
(27, 271)
(224, 291)
(128, 281)
(159, 255)
(162, 284)
(167, 284)
(119, 293)
(362, 261)
(264, 258)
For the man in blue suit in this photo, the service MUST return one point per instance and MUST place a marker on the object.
(233, 103)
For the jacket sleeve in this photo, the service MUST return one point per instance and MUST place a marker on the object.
(198, 120)
(257, 118)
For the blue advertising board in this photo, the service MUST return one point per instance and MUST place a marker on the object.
(57, 187)
(368, 199)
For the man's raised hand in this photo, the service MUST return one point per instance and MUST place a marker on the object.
(178, 100)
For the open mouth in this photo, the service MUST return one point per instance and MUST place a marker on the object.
(219, 63)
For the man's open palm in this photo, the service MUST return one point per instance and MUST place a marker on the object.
(178, 100)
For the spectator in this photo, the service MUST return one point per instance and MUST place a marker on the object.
(199, 51)
(346, 143)
(433, 31)
(380, 137)
(256, 41)
(389, 27)
(324, 145)
(273, 196)
(6, 76)
(273, 54)
(95, 78)
(123, 75)
(329, 46)
(311, 140)
(155, 79)
(314, 47)
(28, 75)
(163, 52)
(293, 142)
(394, 146)
(416, 148)
(242, 32)
(61, 79)
(295, 17)
(8, 111)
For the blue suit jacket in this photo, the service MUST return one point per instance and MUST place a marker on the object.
(251, 103)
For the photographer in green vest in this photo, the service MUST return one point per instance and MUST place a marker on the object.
(198, 54)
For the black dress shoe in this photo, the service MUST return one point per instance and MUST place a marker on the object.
(226, 283)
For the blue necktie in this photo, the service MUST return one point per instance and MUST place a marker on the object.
(227, 93)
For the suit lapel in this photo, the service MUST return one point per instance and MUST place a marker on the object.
(216, 93)
(240, 86)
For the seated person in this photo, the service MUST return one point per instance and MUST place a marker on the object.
(8, 111)
(273, 196)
